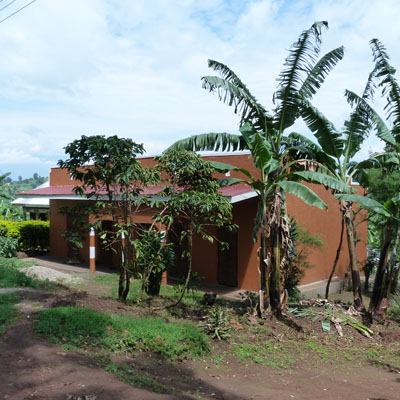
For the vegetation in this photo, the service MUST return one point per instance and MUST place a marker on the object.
(109, 167)
(9, 190)
(12, 276)
(192, 198)
(279, 157)
(81, 327)
(30, 235)
(8, 313)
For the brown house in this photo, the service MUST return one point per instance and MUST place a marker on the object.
(236, 267)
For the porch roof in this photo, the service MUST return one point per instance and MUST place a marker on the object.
(235, 193)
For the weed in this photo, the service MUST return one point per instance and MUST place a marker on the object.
(217, 325)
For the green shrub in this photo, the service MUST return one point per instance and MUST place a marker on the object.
(83, 327)
(8, 247)
(31, 235)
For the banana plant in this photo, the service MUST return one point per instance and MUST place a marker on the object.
(384, 78)
(264, 133)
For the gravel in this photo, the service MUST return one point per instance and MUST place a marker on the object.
(44, 273)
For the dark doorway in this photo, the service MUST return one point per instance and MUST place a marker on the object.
(180, 267)
(227, 258)
(105, 253)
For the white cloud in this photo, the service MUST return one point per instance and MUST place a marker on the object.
(133, 68)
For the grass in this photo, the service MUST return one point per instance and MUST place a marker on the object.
(167, 291)
(11, 275)
(131, 376)
(8, 313)
(85, 328)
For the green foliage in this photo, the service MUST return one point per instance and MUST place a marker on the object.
(8, 313)
(8, 192)
(11, 276)
(153, 256)
(108, 167)
(31, 235)
(83, 327)
(301, 242)
(8, 247)
(217, 324)
(274, 153)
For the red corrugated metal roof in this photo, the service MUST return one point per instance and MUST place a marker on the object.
(51, 191)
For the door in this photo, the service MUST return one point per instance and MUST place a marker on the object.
(180, 267)
(227, 258)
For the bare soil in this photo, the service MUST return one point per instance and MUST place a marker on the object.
(34, 368)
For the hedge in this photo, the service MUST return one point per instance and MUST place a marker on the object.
(31, 235)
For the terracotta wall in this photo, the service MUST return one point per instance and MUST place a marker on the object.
(326, 223)
(205, 255)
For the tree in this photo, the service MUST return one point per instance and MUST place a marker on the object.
(111, 175)
(275, 154)
(384, 77)
(339, 148)
(192, 197)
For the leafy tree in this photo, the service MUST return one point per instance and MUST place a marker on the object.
(276, 154)
(192, 198)
(111, 175)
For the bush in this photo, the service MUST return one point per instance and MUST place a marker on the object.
(31, 235)
(8, 247)
(83, 327)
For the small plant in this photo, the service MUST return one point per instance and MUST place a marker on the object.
(8, 247)
(250, 299)
(217, 325)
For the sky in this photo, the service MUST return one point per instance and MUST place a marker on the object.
(133, 68)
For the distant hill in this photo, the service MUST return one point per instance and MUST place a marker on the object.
(11, 188)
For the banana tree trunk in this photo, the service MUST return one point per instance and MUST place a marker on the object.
(339, 249)
(379, 284)
(393, 270)
(276, 244)
(355, 273)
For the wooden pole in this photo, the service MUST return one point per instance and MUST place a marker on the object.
(92, 250)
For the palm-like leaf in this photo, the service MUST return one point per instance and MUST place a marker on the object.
(211, 141)
(232, 91)
(303, 192)
(323, 179)
(300, 147)
(382, 131)
(389, 84)
(299, 65)
(317, 75)
(328, 137)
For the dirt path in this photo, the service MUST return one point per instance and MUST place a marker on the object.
(33, 368)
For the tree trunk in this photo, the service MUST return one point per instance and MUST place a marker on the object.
(339, 249)
(262, 268)
(127, 286)
(276, 252)
(378, 290)
(391, 282)
(189, 273)
(355, 273)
